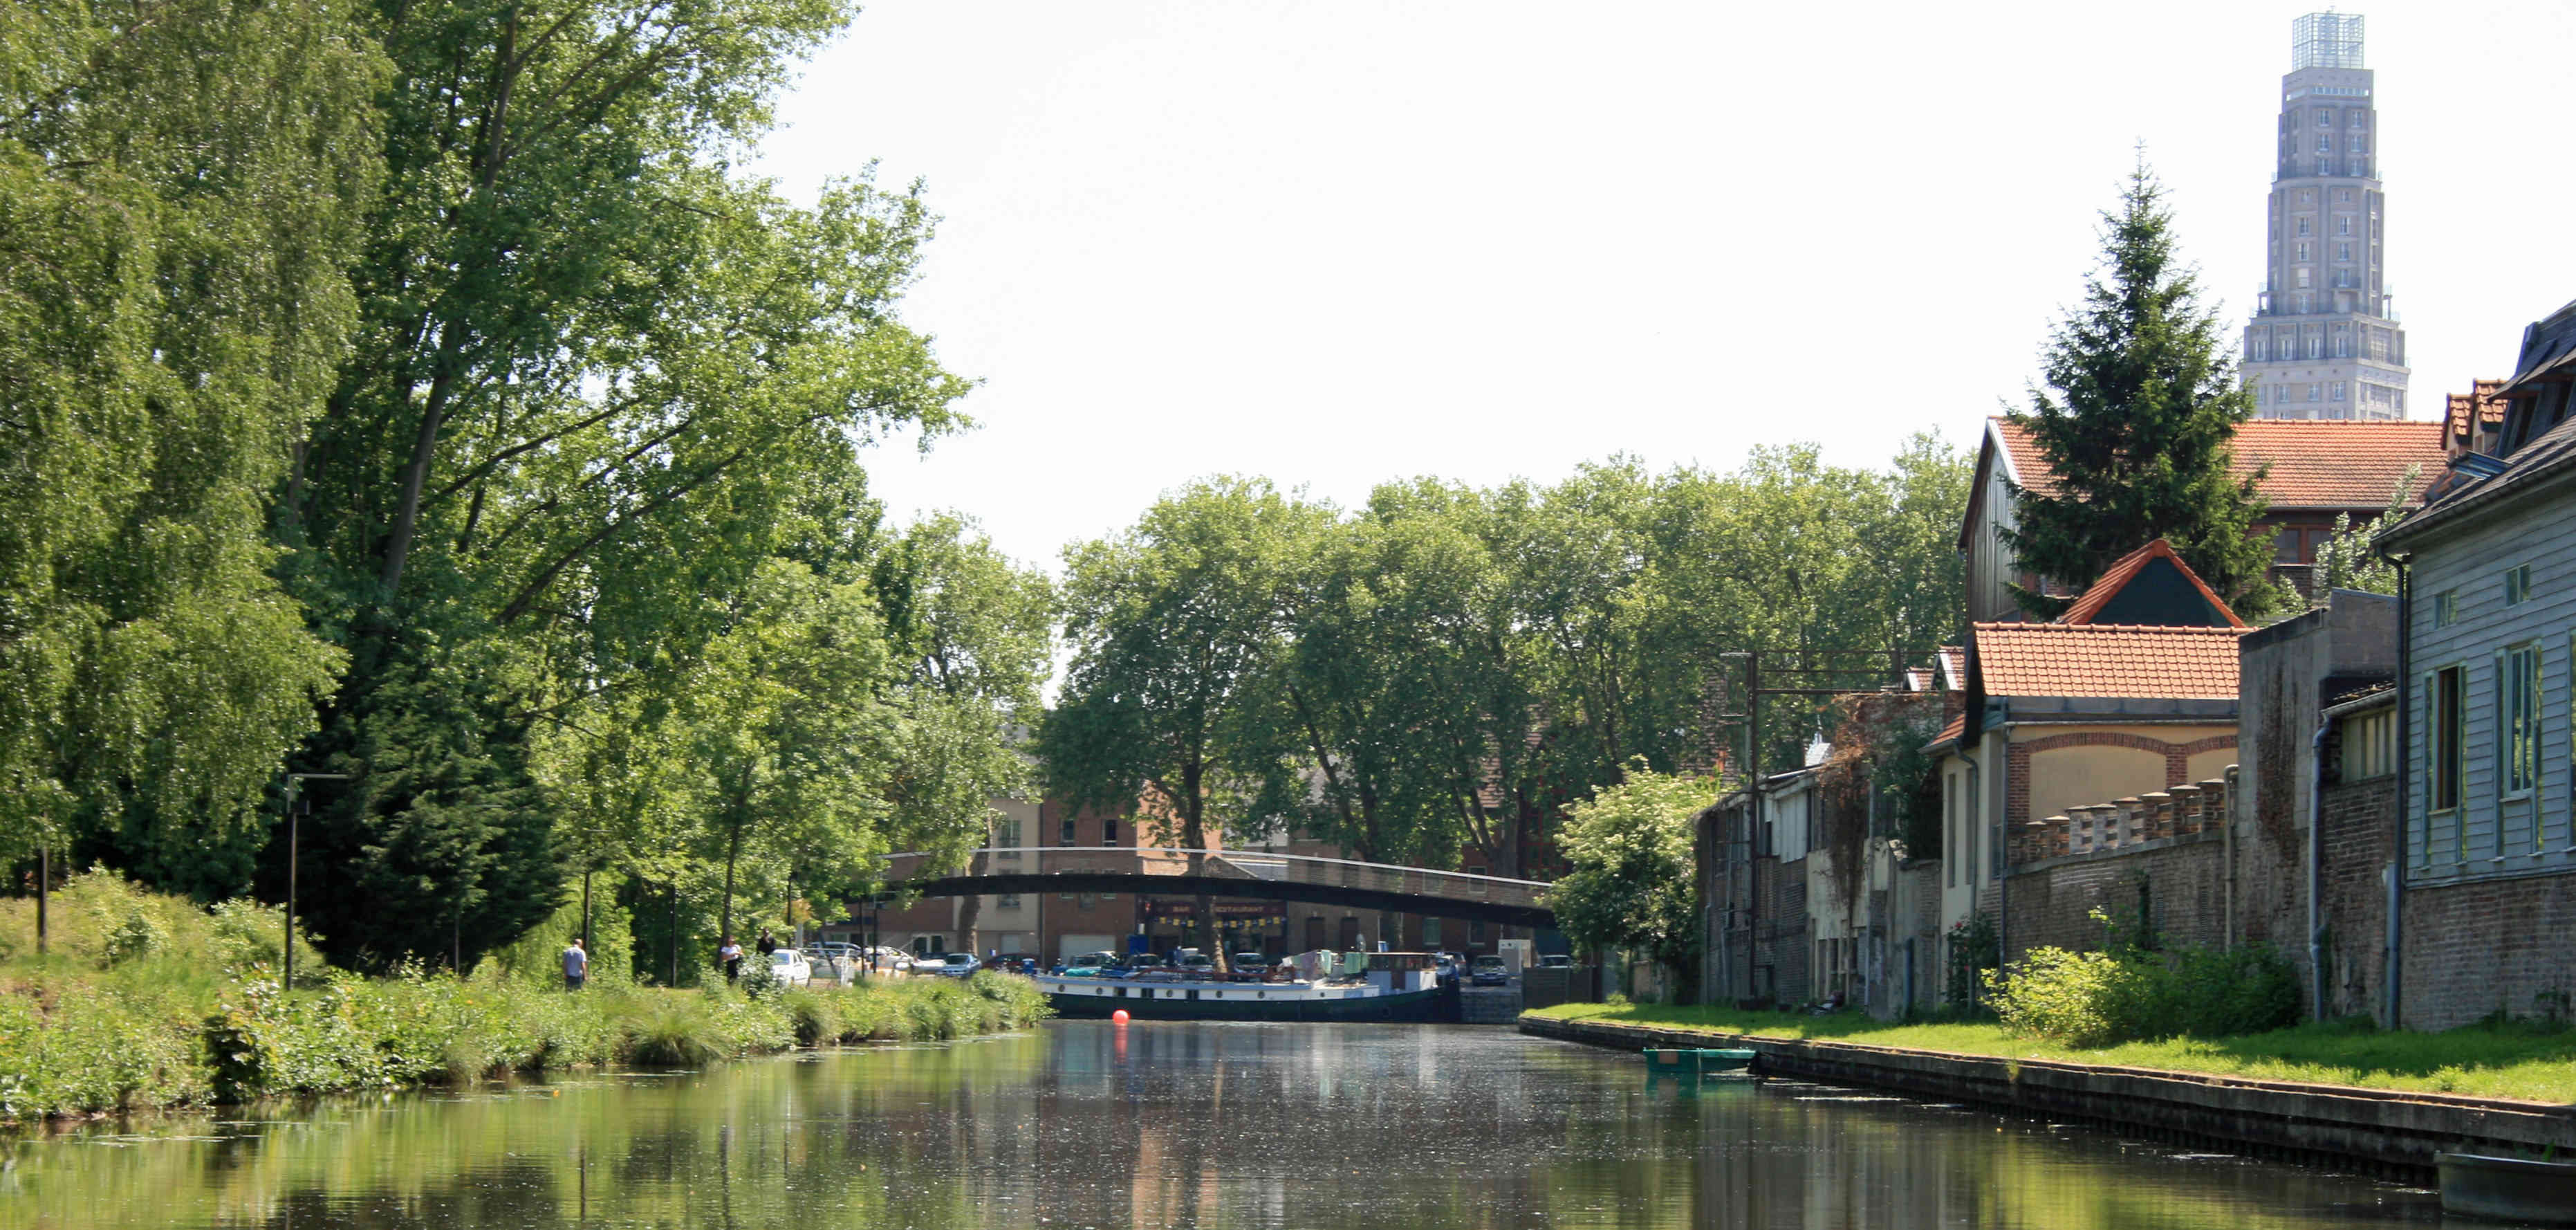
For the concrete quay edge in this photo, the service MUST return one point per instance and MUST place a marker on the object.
(2382, 1131)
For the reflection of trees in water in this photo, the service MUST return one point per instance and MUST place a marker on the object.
(1359, 1127)
(514, 1194)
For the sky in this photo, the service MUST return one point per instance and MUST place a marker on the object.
(1335, 244)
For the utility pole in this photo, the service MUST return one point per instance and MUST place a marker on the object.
(294, 805)
(44, 884)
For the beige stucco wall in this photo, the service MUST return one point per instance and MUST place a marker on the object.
(2101, 773)
(2211, 766)
(2080, 776)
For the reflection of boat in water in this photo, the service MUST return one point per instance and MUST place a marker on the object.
(1376, 986)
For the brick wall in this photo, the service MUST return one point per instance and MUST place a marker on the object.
(1781, 936)
(2360, 827)
(2489, 945)
(2180, 881)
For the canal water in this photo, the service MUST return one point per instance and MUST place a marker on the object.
(1088, 1124)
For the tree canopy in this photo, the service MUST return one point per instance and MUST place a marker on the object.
(1437, 676)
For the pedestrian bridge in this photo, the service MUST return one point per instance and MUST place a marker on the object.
(1226, 873)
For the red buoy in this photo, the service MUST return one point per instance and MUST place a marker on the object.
(1119, 1016)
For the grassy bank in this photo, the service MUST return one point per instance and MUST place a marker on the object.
(2505, 1061)
(146, 1001)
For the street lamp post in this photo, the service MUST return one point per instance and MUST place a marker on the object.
(294, 791)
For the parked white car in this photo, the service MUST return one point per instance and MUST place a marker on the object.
(791, 967)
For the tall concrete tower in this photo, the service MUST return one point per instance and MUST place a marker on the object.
(2324, 342)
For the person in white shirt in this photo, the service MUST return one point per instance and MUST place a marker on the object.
(576, 966)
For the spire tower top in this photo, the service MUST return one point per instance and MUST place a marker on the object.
(2326, 40)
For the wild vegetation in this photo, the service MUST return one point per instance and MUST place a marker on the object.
(146, 1000)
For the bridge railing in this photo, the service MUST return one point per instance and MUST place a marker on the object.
(1249, 864)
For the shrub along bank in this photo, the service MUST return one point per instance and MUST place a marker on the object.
(2502, 1059)
(146, 1001)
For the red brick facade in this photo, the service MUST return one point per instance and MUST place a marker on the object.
(2179, 882)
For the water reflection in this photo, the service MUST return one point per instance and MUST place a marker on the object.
(1089, 1124)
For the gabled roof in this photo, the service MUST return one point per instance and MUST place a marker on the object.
(1953, 663)
(1950, 732)
(2123, 661)
(2331, 464)
(2529, 469)
(2151, 581)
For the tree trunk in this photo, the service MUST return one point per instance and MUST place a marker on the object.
(970, 912)
(1194, 836)
(733, 850)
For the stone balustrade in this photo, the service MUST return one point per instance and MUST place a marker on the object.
(2178, 811)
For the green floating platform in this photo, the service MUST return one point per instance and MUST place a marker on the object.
(1704, 1060)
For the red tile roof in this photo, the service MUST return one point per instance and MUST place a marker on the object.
(2125, 569)
(2328, 464)
(2107, 660)
(1958, 726)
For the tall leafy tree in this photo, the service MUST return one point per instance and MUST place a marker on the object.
(2141, 399)
(601, 383)
(1174, 624)
(182, 192)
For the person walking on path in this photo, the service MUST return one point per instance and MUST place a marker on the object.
(576, 966)
(730, 957)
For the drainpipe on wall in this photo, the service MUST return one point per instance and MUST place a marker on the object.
(2392, 972)
(2317, 872)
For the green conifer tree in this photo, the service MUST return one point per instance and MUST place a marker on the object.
(2141, 400)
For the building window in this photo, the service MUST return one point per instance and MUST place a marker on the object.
(2361, 119)
(1007, 901)
(2325, 145)
(2369, 746)
(2446, 608)
(2325, 119)
(2447, 737)
(2518, 760)
(2303, 275)
(2303, 225)
(2303, 252)
(2343, 226)
(2343, 251)
(2285, 547)
(2338, 385)
(1066, 837)
(2313, 391)
(2517, 584)
(1108, 831)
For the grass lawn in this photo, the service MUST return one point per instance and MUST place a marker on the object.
(2503, 1061)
